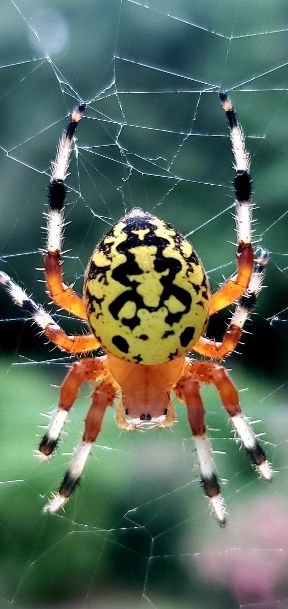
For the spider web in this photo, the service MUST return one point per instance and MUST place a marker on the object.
(138, 532)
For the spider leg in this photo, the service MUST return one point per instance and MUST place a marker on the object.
(70, 344)
(211, 372)
(103, 397)
(81, 371)
(232, 289)
(61, 294)
(187, 391)
(219, 350)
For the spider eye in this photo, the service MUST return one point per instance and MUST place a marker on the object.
(165, 411)
(126, 411)
(145, 416)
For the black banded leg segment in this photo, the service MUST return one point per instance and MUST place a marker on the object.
(56, 194)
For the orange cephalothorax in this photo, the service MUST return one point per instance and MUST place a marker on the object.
(145, 390)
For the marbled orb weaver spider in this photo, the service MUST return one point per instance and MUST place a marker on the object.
(147, 301)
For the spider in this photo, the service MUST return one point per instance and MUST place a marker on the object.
(147, 302)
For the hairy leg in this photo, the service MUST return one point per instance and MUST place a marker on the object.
(219, 350)
(80, 372)
(187, 391)
(103, 396)
(61, 294)
(234, 288)
(213, 373)
(46, 323)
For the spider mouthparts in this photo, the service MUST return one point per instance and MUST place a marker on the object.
(146, 422)
(145, 416)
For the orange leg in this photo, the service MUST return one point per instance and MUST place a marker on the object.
(211, 372)
(187, 390)
(61, 294)
(46, 323)
(80, 372)
(71, 344)
(232, 289)
(219, 350)
(103, 397)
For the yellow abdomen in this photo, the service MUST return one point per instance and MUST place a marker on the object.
(146, 291)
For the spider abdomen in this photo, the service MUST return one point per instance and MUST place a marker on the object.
(146, 291)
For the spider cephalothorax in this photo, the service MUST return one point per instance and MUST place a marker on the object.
(147, 301)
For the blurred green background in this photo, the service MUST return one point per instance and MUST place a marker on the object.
(138, 533)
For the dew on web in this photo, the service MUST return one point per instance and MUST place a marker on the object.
(138, 533)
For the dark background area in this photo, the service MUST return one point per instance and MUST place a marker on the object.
(154, 135)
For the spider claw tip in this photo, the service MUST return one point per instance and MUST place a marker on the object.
(222, 95)
(56, 502)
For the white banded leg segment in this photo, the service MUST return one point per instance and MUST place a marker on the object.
(61, 163)
(244, 221)
(54, 230)
(70, 344)
(239, 316)
(71, 478)
(19, 296)
(15, 292)
(42, 319)
(253, 448)
(50, 440)
(209, 478)
(56, 503)
(56, 189)
(240, 154)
